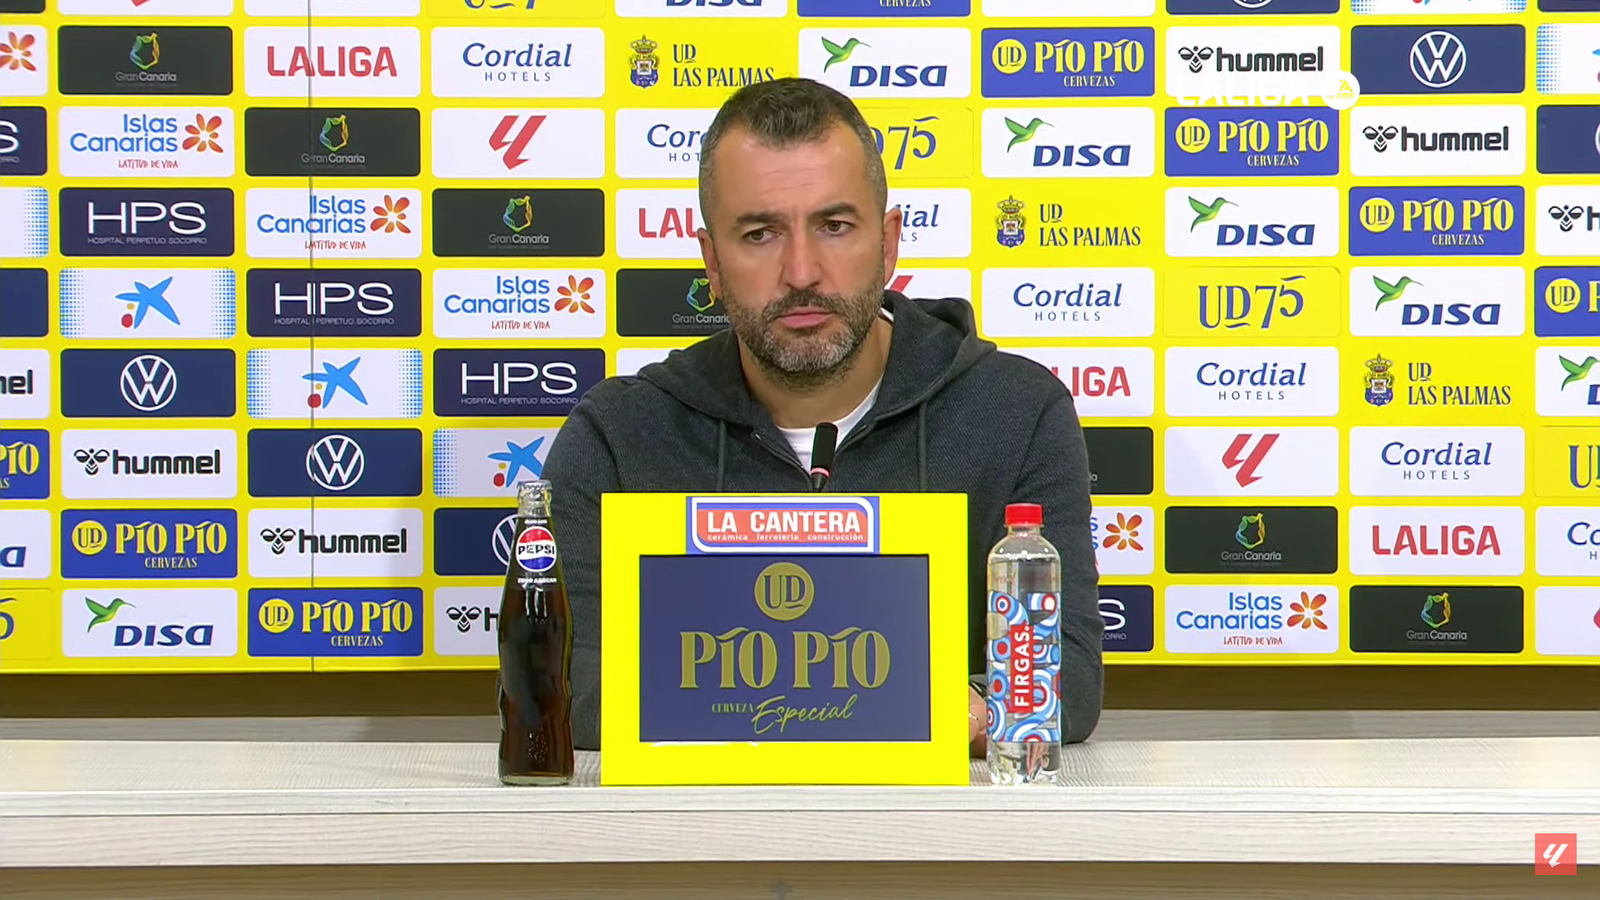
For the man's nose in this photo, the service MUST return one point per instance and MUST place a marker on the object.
(801, 267)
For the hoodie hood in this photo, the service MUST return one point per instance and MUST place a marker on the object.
(933, 343)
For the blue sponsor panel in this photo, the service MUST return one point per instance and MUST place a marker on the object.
(1566, 301)
(334, 302)
(1247, 7)
(24, 140)
(1569, 5)
(335, 462)
(24, 302)
(24, 464)
(514, 382)
(146, 222)
(1569, 139)
(1069, 62)
(473, 541)
(1252, 142)
(1439, 59)
(883, 9)
(1436, 221)
(1129, 613)
(309, 622)
(156, 383)
(144, 543)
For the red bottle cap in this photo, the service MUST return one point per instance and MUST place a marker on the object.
(1024, 515)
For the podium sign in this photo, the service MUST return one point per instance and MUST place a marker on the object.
(812, 639)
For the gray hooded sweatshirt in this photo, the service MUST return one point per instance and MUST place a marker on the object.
(953, 414)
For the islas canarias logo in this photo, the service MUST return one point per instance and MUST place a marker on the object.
(848, 659)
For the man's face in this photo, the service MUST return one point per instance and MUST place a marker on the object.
(800, 253)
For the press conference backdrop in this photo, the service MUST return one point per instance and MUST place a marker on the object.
(286, 311)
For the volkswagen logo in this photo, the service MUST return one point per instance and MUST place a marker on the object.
(336, 462)
(1438, 59)
(505, 534)
(148, 383)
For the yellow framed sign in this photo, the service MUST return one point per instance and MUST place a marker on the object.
(794, 639)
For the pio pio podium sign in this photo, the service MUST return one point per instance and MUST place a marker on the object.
(810, 639)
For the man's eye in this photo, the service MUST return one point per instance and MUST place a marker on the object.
(758, 236)
(836, 226)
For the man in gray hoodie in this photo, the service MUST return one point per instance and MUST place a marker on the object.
(798, 244)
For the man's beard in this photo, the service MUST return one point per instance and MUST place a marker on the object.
(810, 359)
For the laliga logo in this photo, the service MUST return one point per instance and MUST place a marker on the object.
(1341, 91)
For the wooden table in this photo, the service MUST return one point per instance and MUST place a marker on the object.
(1240, 819)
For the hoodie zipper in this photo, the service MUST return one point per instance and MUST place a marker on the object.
(786, 457)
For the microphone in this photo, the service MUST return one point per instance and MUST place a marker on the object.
(822, 447)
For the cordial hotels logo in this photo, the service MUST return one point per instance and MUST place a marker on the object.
(1124, 541)
(1259, 142)
(27, 214)
(511, 143)
(889, 62)
(935, 223)
(149, 623)
(24, 464)
(147, 303)
(1065, 143)
(1437, 461)
(487, 462)
(1567, 381)
(1444, 540)
(24, 65)
(189, 543)
(1569, 224)
(335, 62)
(516, 303)
(117, 143)
(1438, 140)
(1043, 302)
(1566, 301)
(1428, 59)
(335, 543)
(1567, 541)
(1281, 61)
(25, 544)
(1254, 462)
(658, 223)
(147, 222)
(1437, 300)
(518, 62)
(1241, 381)
(1252, 619)
(722, 9)
(660, 143)
(346, 462)
(25, 384)
(1119, 381)
(1436, 221)
(177, 463)
(1252, 221)
(334, 302)
(370, 383)
(284, 223)
(1069, 62)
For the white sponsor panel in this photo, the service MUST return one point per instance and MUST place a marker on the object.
(1252, 462)
(334, 383)
(1104, 381)
(519, 143)
(1058, 301)
(464, 621)
(720, 9)
(1253, 221)
(488, 462)
(335, 543)
(1567, 541)
(331, 8)
(173, 463)
(1294, 61)
(1061, 142)
(332, 61)
(1252, 381)
(154, 304)
(661, 143)
(935, 223)
(1435, 7)
(27, 71)
(152, 8)
(889, 62)
(26, 212)
(1566, 62)
(1075, 8)
(123, 142)
(658, 223)
(1437, 540)
(25, 384)
(1567, 381)
(1566, 621)
(518, 62)
(519, 303)
(149, 622)
(631, 359)
(1407, 301)
(1253, 618)
(1431, 141)
(27, 544)
(1422, 461)
(1568, 219)
(334, 223)
(1124, 539)
(932, 283)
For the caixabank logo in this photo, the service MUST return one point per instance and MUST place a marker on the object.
(154, 383)
(147, 221)
(328, 302)
(148, 304)
(514, 382)
(1566, 301)
(26, 212)
(351, 142)
(328, 462)
(1439, 59)
(1443, 618)
(163, 543)
(24, 140)
(104, 60)
(889, 62)
(24, 464)
(349, 622)
(1566, 63)
(1259, 142)
(1068, 62)
(355, 383)
(1437, 221)
(488, 462)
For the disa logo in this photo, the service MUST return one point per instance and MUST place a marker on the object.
(1252, 221)
(889, 62)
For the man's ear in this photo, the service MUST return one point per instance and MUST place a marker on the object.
(893, 221)
(708, 255)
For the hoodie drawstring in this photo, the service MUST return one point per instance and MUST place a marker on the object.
(722, 450)
(922, 447)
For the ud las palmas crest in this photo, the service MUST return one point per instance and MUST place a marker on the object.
(1010, 223)
(1380, 384)
(644, 68)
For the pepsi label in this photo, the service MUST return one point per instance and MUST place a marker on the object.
(536, 549)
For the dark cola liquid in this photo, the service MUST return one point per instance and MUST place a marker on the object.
(535, 684)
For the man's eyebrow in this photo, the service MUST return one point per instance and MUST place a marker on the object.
(761, 217)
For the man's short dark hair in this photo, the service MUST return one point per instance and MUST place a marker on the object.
(784, 113)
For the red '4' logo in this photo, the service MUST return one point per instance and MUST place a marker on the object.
(1555, 854)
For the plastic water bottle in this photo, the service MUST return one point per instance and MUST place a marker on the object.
(1024, 629)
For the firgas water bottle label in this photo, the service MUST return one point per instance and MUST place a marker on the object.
(1024, 702)
(536, 549)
